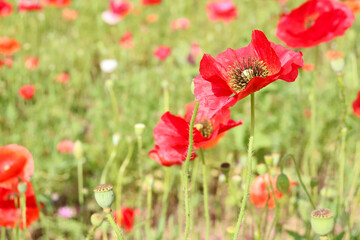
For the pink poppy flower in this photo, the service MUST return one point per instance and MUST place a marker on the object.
(31, 63)
(180, 23)
(66, 147)
(223, 10)
(126, 40)
(162, 52)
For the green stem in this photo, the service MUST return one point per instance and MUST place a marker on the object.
(140, 172)
(342, 171)
(114, 104)
(107, 165)
(116, 228)
(3, 233)
(205, 187)
(249, 173)
(23, 212)
(93, 229)
(186, 172)
(149, 206)
(276, 207)
(298, 174)
(80, 182)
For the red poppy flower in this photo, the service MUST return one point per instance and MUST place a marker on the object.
(62, 78)
(16, 163)
(235, 74)
(314, 22)
(259, 194)
(121, 8)
(69, 14)
(9, 46)
(65, 147)
(308, 67)
(151, 18)
(27, 91)
(150, 2)
(10, 215)
(8, 62)
(162, 52)
(356, 105)
(126, 218)
(5, 8)
(223, 10)
(56, 3)
(31, 63)
(29, 6)
(126, 40)
(354, 5)
(180, 23)
(171, 134)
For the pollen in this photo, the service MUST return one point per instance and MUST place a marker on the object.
(242, 72)
(205, 128)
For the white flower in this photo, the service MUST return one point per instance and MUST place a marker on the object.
(108, 65)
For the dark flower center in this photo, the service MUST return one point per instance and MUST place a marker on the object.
(205, 128)
(309, 21)
(242, 72)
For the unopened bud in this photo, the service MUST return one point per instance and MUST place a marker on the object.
(96, 219)
(22, 187)
(116, 139)
(78, 150)
(282, 183)
(261, 168)
(269, 159)
(139, 129)
(225, 168)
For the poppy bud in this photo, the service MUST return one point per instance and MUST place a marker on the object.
(322, 221)
(139, 129)
(314, 182)
(104, 196)
(282, 183)
(116, 139)
(109, 84)
(96, 219)
(78, 150)
(261, 168)
(269, 159)
(225, 168)
(337, 65)
(22, 187)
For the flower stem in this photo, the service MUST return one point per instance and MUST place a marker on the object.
(23, 212)
(92, 231)
(186, 172)
(205, 187)
(342, 171)
(107, 165)
(114, 104)
(276, 206)
(140, 172)
(116, 228)
(80, 182)
(298, 174)
(249, 173)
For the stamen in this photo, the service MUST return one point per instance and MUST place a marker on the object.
(205, 128)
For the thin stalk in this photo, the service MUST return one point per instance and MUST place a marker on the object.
(232, 193)
(93, 229)
(299, 176)
(3, 233)
(80, 181)
(249, 173)
(107, 165)
(23, 212)
(149, 207)
(166, 97)
(116, 228)
(342, 172)
(114, 104)
(206, 201)
(276, 207)
(186, 172)
(141, 177)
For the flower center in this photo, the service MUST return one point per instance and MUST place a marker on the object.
(309, 21)
(242, 72)
(205, 128)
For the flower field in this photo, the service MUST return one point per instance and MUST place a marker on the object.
(192, 119)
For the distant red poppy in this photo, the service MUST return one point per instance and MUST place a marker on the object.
(235, 74)
(222, 10)
(195, 49)
(356, 105)
(31, 63)
(56, 3)
(69, 14)
(314, 22)
(180, 23)
(354, 5)
(126, 218)
(126, 40)
(118, 10)
(8, 62)
(10, 214)
(29, 6)
(172, 132)
(5, 8)
(151, 18)
(65, 147)
(62, 78)
(308, 67)
(27, 91)
(162, 52)
(259, 194)
(16, 163)
(150, 2)
(9, 46)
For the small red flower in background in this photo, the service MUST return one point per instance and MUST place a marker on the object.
(308, 67)
(66, 147)
(172, 132)
(151, 18)
(16, 163)
(126, 218)
(356, 105)
(162, 52)
(354, 5)
(259, 194)
(31, 63)
(224, 10)
(27, 91)
(62, 78)
(8, 62)
(10, 214)
(126, 40)
(56, 3)
(150, 2)
(69, 14)
(118, 10)
(180, 23)
(333, 55)
(235, 74)
(29, 6)
(5, 8)
(9, 46)
(195, 49)
(314, 22)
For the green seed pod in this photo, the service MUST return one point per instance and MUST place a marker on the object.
(225, 168)
(314, 182)
(322, 221)
(269, 159)
(22, 187)
(261, 168)
(97, 218)
(104, 196)
(139, 129)
(283, 183)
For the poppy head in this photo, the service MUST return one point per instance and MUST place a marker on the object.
(29, 6)
(9, 46)
(125, 218)
(356, 105)
(27, 91)
(223, 10)
(162, 52)
(314, 22)
(5, 8)
(16, 162)
(150, 2)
